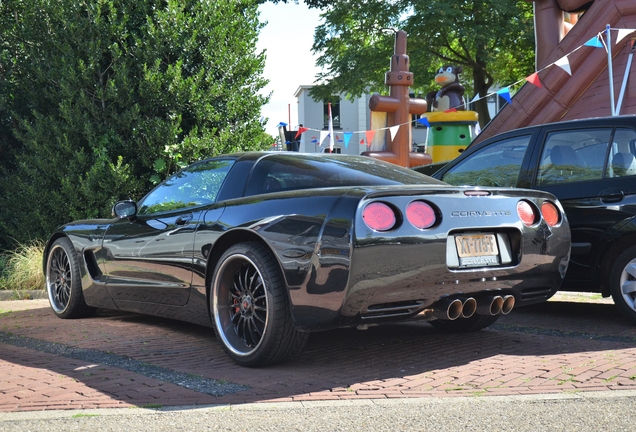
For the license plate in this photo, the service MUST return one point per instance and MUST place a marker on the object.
(477, 250)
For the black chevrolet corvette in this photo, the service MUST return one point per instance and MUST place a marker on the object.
(268, 247)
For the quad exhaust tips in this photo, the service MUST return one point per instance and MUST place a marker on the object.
(454, 308)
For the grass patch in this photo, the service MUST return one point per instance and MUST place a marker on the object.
(151, 406)
(84, 415)
(21, 269)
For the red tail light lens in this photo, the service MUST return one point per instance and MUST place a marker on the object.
(379, 216)
(526, 213)
(550, 213)
(420, 214)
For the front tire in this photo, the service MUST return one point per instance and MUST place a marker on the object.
(623, 283)
(251, 314)
(63, 283)
(464, 325)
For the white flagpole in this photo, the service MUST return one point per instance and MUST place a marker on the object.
(609, 67)
(330, 130)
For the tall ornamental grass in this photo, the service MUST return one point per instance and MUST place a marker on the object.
(21, 269)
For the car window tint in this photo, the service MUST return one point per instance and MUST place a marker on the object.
(573, 155)
(497, 164)
(197, 185)
(622, 159)
(282, 173)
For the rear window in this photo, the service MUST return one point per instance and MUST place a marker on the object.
(280, 172)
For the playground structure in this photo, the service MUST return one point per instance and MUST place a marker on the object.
(586, 92)
(399, 107)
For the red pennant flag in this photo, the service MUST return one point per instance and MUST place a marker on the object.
(451, 110)
(301, 130)
(362, 141)
(370, 134)
(534, 79)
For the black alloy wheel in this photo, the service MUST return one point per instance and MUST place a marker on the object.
(250, 308)
(63, 283)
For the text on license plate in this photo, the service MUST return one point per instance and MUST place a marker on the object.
(476, 245)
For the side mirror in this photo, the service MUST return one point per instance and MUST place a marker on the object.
(125, 209)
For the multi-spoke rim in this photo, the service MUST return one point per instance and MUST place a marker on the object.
(59, 278)
(628, 284)
(240, 305)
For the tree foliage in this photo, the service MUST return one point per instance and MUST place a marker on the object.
(100, 99)
(493, 40)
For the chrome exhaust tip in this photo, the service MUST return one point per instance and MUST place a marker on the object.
(508, 304)
(448, 309)
(469, 307)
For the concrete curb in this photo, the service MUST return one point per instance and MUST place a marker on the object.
(22, 295)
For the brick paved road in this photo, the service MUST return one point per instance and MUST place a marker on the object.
(560, 346)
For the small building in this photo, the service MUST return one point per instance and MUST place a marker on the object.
(348, 116)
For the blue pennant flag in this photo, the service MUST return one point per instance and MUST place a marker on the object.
(347, 137)
(281, 124)
(424, 121)
(505, 93)
(595, 42)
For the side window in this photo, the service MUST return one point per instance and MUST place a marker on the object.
(194, 186)
(495, 165)
(573, 156)
(622, 160)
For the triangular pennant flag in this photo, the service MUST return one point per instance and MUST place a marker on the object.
(347, 137)
(300, 131)
(394, 130)
(477, 97)
(534, 79)
(370, 134)
(564, 64)
(323, 135)
(505, 93)
(595, 42)
(622, 33)
(362, 141)
(424, 121)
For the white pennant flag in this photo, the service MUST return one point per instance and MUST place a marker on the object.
(394, 130)
(323, 135)
(622, 33)
(564, 64)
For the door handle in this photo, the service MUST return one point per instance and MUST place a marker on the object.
(612, 196)
(183, 220)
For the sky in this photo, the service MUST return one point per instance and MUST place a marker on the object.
(287, 39)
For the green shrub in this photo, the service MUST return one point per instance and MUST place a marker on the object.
(21, 269)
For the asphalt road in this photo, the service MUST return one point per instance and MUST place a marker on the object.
(593, 411)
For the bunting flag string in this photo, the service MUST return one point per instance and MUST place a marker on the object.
(505, 92)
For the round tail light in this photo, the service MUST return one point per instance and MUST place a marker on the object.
(379, 216)
(420, 214)
(550, 213)
(526, 213)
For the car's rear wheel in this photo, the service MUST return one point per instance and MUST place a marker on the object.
(249, 304)
(464, 325)
(623, 283)
(63, 283)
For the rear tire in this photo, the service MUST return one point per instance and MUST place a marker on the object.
(63, 281)
(623, 283)
(464, 325)
(250, 309)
